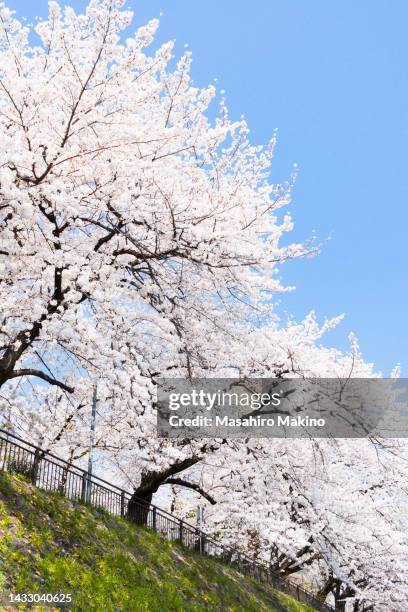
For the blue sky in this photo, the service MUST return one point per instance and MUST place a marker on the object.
(333, 78)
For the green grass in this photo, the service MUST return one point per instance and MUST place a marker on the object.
(51, 545)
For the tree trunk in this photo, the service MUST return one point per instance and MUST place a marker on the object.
(139, 504)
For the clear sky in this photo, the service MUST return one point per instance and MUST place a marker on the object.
(333, 78)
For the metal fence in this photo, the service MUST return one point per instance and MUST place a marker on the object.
(49, 472)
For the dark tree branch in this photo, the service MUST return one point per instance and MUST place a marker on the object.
(191, 485)
(151, 481)
(42, 375)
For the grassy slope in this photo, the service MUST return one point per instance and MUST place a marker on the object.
(50, 545)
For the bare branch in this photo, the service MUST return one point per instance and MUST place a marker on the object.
(191, 485)
(43, 376)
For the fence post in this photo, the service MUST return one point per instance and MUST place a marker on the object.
(154, 518)
(36, 464)
(181, 531)
(122, 504)
(83, 486)
(202, 543)
(88, 487)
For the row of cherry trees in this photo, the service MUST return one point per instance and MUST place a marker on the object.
(139, 240)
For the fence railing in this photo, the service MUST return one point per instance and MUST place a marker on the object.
(49, 472)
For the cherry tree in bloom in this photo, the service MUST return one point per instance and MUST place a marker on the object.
(332, 510)
(138, 239)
